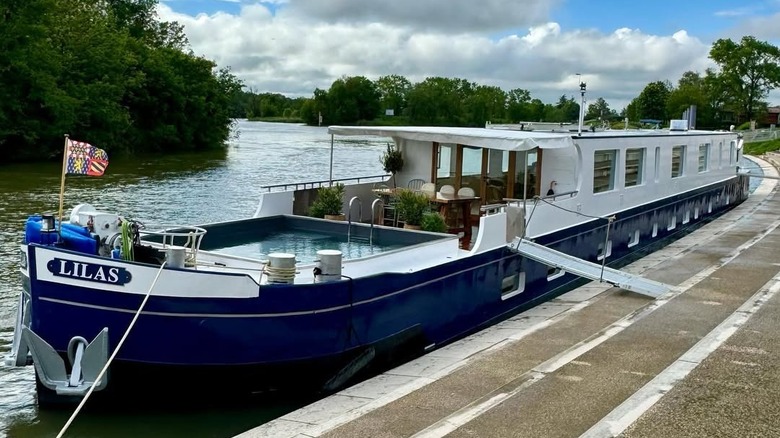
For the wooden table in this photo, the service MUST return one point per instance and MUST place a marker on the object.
(449, 203)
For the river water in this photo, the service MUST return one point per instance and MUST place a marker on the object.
(183, 190)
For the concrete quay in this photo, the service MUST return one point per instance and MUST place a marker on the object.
(599, 361)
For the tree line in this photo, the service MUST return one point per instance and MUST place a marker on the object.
(734, 92)
(110, 73)
(107, 72)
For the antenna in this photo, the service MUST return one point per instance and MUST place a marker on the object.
(583, 85)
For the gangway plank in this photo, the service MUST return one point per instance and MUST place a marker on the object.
(589, 270)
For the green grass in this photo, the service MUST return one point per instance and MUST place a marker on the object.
(761, 147)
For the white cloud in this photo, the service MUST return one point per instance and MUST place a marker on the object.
(449, 16)
(737, 12)
(765, 28)
(289, 52)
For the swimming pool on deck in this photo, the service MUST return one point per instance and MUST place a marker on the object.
(303, 236)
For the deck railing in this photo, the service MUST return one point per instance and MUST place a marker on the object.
(322, 183)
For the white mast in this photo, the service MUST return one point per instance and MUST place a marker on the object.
(582, 107)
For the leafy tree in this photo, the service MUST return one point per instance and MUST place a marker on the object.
(631, 111)
(438, 101)
(536, 109)
(30, 67)
(350, 99)
(366, 97)
(570, 109)
(691, 90)
(519, 105)
(599, 110)
(485, 104)
(393, 91)
(105, 71)
(748, 72)
(564, 111)
(652, 100)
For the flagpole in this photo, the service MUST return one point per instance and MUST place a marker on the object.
(62, 180)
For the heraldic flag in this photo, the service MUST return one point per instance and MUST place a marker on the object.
(85, 159)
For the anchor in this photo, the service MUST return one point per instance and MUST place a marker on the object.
(86, 360)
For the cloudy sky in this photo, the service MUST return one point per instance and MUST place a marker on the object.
(618, 46)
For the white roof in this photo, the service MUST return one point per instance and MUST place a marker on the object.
(479, 137)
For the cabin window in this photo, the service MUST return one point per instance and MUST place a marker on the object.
(604, 170)
(526, 175)
(553, 273)
(496, 177)
(686, 216)
(678, 161)
(446, 164)
(655, 229)
(512, 285)
(471, 174)
(657, 163)
(601, 253)
(733, 152)
(634, 239)
(704, 157)
(720, 155)
(672, 221)
(635, 164)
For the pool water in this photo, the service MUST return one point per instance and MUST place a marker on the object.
(305, 244)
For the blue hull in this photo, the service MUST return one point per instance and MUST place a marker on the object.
(302, 335)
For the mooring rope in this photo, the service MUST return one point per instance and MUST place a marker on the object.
(572, 211)
(536, 202)
(113, 355)
(279, 274)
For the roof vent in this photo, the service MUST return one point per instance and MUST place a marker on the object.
(678, 125)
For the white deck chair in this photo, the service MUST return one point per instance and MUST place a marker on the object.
(466, 191)
(428, 188)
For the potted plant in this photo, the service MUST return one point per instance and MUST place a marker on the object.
(392, 161)
(329, 203)
(411, 206)
(434, 222)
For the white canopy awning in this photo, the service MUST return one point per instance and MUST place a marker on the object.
(480, 137)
